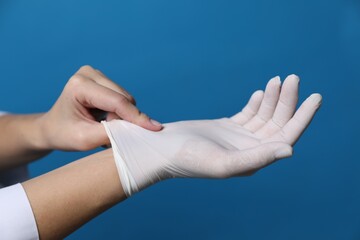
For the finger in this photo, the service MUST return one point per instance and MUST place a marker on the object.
(292, 131)
(100, 78)
(105, 81)
(112, 116)
(285, 107)
(267, 107)
(252, 159)
(250, 109)
(93, 95)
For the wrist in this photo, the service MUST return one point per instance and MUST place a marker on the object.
(36, 133)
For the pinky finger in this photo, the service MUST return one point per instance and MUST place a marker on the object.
(250, 109)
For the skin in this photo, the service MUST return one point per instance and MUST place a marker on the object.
(70, 124)
(66, 198)
(264, 132)
(20, 140)
(86, 187)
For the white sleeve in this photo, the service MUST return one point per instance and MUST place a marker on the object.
(17, 221)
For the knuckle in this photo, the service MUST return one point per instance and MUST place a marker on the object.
(77, 80)
(139, 118)
(121, 101)
(86, 68)
(143, 116)
(124, 108)
(132, 99)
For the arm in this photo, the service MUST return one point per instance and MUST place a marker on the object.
(20, 140)
(71, 123)
(66, 198)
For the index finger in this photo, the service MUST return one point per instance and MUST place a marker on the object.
(97, 96)
(103, 80)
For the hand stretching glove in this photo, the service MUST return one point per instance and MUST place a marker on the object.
(238, 146)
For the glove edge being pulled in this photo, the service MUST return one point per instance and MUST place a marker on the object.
(126, 179)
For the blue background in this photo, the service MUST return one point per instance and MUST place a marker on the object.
(194, 59)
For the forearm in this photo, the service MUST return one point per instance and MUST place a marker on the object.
(21, 140)
(68, 197)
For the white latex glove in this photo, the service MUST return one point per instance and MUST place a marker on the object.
(238, 146)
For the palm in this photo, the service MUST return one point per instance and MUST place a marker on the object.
(261, 133)
(213, 147)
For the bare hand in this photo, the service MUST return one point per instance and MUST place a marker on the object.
(71, 123)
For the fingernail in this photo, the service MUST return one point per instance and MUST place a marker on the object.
(156, 123)
(316, 97)
(295, 77)
(284, 152)
(276, 80)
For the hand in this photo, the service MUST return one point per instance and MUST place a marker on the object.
(71, 123)
(261, 133)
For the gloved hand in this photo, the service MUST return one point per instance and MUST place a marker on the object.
(257, 136)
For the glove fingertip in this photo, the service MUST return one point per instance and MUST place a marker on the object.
(283, 151)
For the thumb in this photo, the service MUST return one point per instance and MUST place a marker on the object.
(255, 158)
(92, 135)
